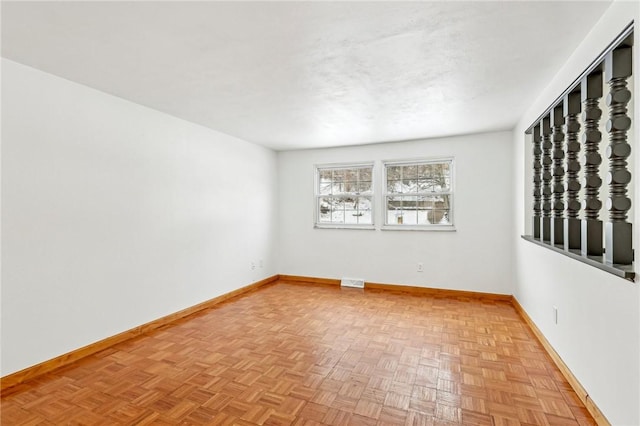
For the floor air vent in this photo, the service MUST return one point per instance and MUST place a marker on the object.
(352, 282)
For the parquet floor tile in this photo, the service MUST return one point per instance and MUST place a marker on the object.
(292, 354)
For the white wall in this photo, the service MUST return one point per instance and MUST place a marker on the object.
(476, 257)
(114, 215)
(598, 333)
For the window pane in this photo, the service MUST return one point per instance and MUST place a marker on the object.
(402, 210)
(325, 179)
(424, 185)
(325, 188)
(409, 202)
(344, 181)
(336, 188)
(338, 204)
(424, 203)
(364, 187)
(351, 216)
(424, 170)
(429, 171)
(441, 183)
(351, 175)
(394, 203)
(332, 209)
(364, 174)
(350, 203)
(338, 175)
(441, 177)
(352, 210)
(350, 186)
(423, 217)
(324, 205)
(394, 209)
(441, 217)
(337, 210)
(410, 172)
(351, 181)
(364, 211)
(364, 203)
(410, 217)
(326, 176)
(365, 217)
(337, 216)
(395, 217)
(409, 186)
(394, 186)
(409, 210)
(441, 202)
(394, 173)
(441, 169)
(424, 207)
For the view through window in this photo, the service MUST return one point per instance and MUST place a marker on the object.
(418, 193)
(344, 195)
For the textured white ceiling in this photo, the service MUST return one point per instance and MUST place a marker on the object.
(291, 75)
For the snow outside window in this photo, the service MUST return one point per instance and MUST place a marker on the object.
(344, 196)
(418, 194)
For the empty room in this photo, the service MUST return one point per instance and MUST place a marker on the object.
(319, 213)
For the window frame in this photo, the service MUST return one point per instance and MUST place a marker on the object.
(419, 227)
(372, 196)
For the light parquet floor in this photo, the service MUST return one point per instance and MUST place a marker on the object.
(291, 354)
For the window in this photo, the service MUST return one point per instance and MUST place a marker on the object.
(418, 194)
(344, 196)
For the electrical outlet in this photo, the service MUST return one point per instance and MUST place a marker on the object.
(555, 314)
(420, 267)
(253, 265)
(261, 263)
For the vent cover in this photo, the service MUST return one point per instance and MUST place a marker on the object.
(352, 282)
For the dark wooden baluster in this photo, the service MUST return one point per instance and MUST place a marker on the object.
(557, 224)
(545, 222)
(537, 180)
(572, 223)
(618, 236)
(591, 235)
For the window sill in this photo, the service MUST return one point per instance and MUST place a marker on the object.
(622, 271)
(357, 227)
(437, 228)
